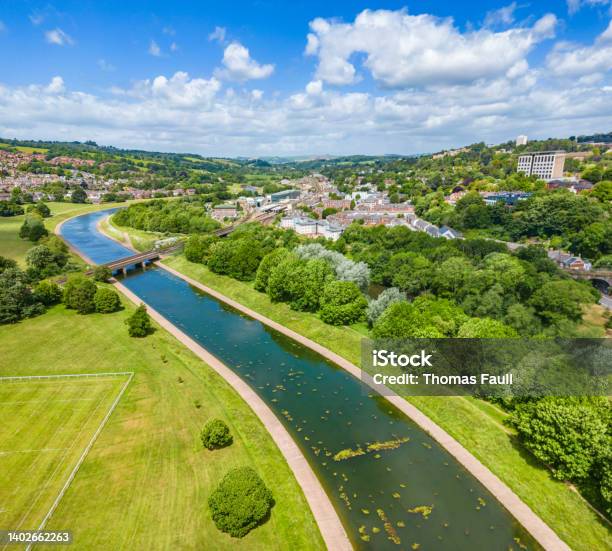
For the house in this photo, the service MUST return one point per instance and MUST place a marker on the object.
(305, 226)
(569, 261)
(450, 233)
(221, 212)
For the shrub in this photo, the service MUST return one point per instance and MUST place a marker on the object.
(79, 293)
(48, 293)
(215, 434)
(380, 304)
(33, 228)
(102, 273)
(342, 303)
(139, 323)
(266, 266)
(106, 300)
(240, 502)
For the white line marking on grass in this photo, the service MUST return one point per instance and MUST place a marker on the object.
(91, 442)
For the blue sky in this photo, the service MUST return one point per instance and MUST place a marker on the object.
(267, 77)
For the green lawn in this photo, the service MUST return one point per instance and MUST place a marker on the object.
(145, 483)
(45, 425)
(12, 246)
(476, 424)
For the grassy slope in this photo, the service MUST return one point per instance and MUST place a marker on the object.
(145, 483)
(12, 246)
(477, 425)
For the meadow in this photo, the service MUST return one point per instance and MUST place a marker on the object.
(146, 481)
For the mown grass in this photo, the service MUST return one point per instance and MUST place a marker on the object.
(477, 425)
(146, 481)
(46, 425)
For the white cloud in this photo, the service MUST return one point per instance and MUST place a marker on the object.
(2, 26)
(240, 66)
(182, 113)
(105, 65)
(501, 16)
(574, 6)
(169, 31)
(218, 35)
(403, 50)
(154, 49)
(58, 37)
(314, 87)
(174, 47)
(56, 86)
(36, 18)
(571, 60)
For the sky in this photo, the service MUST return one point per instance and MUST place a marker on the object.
(278, 78)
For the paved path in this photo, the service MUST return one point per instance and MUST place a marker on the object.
(324, 513)
(533, 523)
(545, 536)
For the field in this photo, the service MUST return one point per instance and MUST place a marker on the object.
(146, 480)
(12, 246)
(475, 424)
(23, 148)
(45, 427)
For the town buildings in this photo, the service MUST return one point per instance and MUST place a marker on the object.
(521, 140)
(546, 165)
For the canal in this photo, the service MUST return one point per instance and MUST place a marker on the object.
(392, 485)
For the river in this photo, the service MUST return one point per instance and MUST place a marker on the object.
(403, 492)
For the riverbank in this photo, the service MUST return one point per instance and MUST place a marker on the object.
(475, 424)
(145, 482)
(326, 518)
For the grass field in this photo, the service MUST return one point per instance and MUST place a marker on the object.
(45, 426)
(145, 482)
(12, 246)
(476, 424)
(23, 148)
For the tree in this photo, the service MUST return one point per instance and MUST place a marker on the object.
(139, 323)
(569, 434)
(560, 299)
(486, 328)
(32, 228)
(78, 195)
(41, 209)
(48, 293)
(382, 302)
(267, 264)
(197, 248)
(240, 502)
(16, 299)
(102, 273)
(106, 300)
(10, 209)
(342, 303)
(79, 293)
(6, 263)
(215, 434)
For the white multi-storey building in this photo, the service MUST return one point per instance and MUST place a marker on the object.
(521, 140)
(547, 165)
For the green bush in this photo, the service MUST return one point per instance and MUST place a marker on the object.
(215, 434)
(240, 502)
(102, 273)
(139, 323)
(342, 303)
(106, 300)
(48, 293)
(79, 293)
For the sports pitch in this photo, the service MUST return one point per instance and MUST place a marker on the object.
(47, 426)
